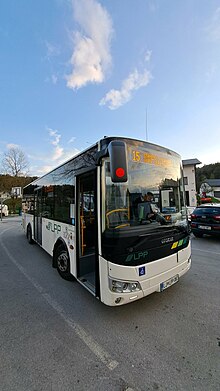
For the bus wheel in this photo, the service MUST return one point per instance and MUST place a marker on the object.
(62, 262)
(29, 235)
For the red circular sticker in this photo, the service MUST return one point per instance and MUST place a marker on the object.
(120, 172)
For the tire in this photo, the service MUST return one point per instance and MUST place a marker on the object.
(29, 235)
(197, 234)
(62, 263)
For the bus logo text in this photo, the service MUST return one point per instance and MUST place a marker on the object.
(53, 227)
(167, 240)
(136, 256)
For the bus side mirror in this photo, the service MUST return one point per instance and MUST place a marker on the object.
(118, 161)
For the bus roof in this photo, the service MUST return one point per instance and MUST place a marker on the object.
(103, 143)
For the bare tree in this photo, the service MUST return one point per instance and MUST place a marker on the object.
(14, 162)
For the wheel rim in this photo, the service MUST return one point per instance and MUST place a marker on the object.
(62, 262)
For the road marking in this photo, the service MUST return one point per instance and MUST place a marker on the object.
(6, 229)
(205, 251)
(95, 348)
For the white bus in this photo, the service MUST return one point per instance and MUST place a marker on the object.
(90, 215)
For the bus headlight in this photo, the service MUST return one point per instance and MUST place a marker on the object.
(124, 286)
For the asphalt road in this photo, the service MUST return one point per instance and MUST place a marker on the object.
(55, 336)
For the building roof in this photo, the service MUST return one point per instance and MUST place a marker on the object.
(191, 162)
(212, 182)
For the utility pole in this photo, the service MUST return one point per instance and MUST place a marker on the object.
(1, 208)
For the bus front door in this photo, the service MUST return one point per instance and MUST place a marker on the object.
(87, 245)
(38, 215)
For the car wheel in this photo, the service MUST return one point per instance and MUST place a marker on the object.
(197, 235)
(62, 262)
(29, 234)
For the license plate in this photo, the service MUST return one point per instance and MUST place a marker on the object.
(166, 284)
(204, 227)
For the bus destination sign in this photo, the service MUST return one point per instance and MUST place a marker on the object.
(149, 158)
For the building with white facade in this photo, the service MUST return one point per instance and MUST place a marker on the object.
(16, 192)
(211, 187)
(189, 173)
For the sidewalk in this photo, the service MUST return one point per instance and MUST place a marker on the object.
(5, 219)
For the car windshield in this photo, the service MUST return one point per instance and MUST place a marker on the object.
(212, 210)
(153, 195)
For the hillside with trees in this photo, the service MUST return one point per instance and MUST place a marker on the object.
(9, 181)
(6, 184)
(209, 171)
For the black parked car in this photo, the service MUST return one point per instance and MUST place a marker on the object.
(205, 219)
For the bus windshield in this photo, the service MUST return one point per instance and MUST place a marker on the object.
(152, 197)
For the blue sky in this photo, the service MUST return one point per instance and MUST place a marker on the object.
(75, 71)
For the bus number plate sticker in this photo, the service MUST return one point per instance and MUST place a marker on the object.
(142, 271)
(168, 283)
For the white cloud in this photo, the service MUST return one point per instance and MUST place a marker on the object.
(72, 140)
(57, 154)
(53, 160)
(91, 57)
(55, 157)
(39, 171)
(39, 162)
(213, 27)
(148, 55)
(55, 135)
(8, 146)
(58, 150)
(52, 50)
(116, 98)
(51, 79)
